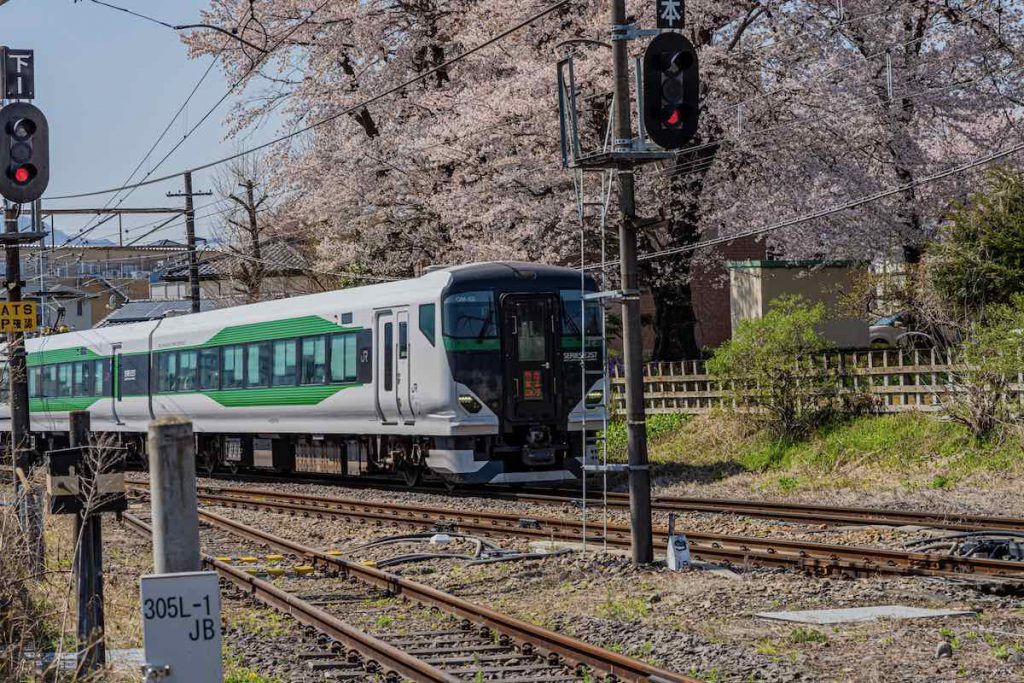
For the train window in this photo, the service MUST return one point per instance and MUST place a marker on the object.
(50, 380)
(284, 363)
(64, 379)
(34, 383)
(258, 364)
(209, 369)
(346, 318)
(80, 381)
(314, 360)
(571, 315)
(389, 353)
(470, 315)
(188, 362)
(166, 370)
(343, 358)
(427, 322)
(99, 378)
(403, 340)
(232, 372)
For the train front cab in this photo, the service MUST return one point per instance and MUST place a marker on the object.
(513, 345)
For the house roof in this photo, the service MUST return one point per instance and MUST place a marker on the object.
(280, 257)
(147, 309)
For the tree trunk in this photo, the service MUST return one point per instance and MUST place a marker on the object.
(674, 320)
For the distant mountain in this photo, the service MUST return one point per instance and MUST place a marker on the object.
(60, 237)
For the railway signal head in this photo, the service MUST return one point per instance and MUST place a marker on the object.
(671, 90)
(24, 152)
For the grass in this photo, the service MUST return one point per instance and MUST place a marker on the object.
(619, 607)
(924, 451)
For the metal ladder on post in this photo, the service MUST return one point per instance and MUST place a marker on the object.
(594, 441)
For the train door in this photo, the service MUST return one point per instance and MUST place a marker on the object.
(388, 401)
(403, 375)
(528, 326)
(115, 382)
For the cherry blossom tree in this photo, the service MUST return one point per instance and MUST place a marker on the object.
(803, 104)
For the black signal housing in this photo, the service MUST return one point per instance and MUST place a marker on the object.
(671, 90)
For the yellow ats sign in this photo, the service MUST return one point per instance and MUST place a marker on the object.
(19, 316)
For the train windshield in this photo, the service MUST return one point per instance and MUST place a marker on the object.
(571, 315)
(470, 315)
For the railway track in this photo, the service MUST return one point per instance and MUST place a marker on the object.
(452, 640)
(795, 512)
(817, 558)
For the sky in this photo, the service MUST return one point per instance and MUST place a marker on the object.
(109, 83)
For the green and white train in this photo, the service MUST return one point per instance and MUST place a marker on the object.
(473, 373)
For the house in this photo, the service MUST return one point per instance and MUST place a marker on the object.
(147, 309)
(223, 275)
(755, 284)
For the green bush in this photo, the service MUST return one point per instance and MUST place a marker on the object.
(768, 367)
(659, 426)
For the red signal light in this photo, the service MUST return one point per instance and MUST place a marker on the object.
(21, 174)
(675, 118)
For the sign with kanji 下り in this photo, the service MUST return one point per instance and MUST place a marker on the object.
(670, 13)
(18, 316)
(19, 74)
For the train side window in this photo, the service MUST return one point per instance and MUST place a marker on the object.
(49, 381)
(166, 370)
(284, 363)
(389, 352)
(34, 375)
(343, 358)
(258, 364)
(64, 379)
(188, 362)
(80, 381)
(209, 369)
(232, 366)
(403, 340)
(314, 360)
(427, 322)
(99, 378)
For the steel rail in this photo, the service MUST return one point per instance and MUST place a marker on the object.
(548, 642)
(390, 658)
(810, 556)
(797, 512)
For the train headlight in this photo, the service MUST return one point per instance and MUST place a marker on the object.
(469, 403)
(595, 398)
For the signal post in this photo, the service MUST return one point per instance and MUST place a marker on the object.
(24, 175)
(668, 100)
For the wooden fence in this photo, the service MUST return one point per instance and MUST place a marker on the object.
(899, 381)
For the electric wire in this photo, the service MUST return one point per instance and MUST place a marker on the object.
(822, 213)
(332, 117)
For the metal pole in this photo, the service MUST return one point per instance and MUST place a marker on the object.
(21, 456)
(190, 232)
(632, 349)
(92, 654)
(172, 476)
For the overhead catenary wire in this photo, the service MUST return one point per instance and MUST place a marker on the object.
(210, 111)
(822, 213)
(344, 112)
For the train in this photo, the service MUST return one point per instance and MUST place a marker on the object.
(485, 373)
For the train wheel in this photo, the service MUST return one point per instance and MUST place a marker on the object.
(449, 483)
(410, 474)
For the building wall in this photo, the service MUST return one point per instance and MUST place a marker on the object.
(756, 283)
(710, 286)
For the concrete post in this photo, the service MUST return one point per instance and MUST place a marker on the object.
(172, 478)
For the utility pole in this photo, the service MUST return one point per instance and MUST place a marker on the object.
(190, 232)
(92, 654)
(632, 349)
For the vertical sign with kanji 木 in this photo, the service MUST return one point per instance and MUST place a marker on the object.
(670, 13)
